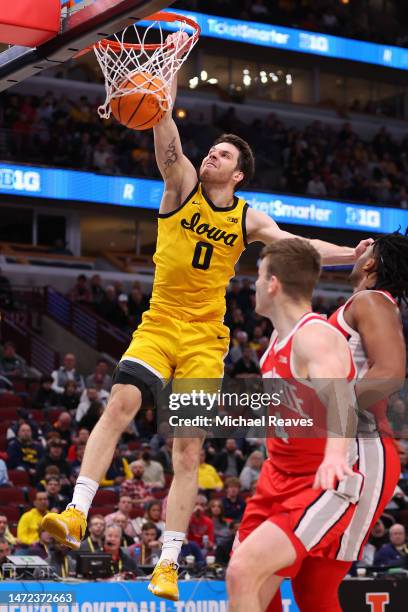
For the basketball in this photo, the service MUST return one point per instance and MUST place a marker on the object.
(138, 110)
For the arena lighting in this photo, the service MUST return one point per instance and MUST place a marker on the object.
(193, 82)
(204, 75)
(181, 113)
(212, 81)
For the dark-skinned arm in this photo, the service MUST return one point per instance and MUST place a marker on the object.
(378, 322)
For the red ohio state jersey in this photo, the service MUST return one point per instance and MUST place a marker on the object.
(297, 435)
(376, 418)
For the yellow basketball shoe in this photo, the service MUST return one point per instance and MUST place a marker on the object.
(68, 527)
(163, 582)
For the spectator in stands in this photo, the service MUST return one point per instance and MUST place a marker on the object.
(29, 523)
(135, 487)
(146, 424)
(208, 477)
(108, 307)
(121, 520)
(55, 456)
(45, 397)
(316, 187)
(56, 501)
(251, 471)
(63, 426)
(89, 398)
(11, 365)
(230, 460)
(232, 502)
(80, 292)
(118, 471)
(153, 470)
(80, 438)
(223, 550)
(240, 341)
(164, 456)
(5, 551)
(5, 531)
(100, 378)
(61, 560)
(201, 528)
(394, 554)
(137, 305)
(191, 549)
(216, 514)
(67, 372)
(147, 552)
(92, 416)
(76, 464)
(41, 548)
(123, 319)
(121, 562)
(4, 477)
(6, 294)
(69, 399)
(124, 507)
(97, 291)
(152, 515)
(96, 535)
(246, 367)
(23, 452)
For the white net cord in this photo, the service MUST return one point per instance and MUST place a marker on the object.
(121, 61)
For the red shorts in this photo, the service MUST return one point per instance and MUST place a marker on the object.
(312, 519)
(331, 524)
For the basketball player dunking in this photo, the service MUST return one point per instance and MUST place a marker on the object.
(203, 227)
(371, 323)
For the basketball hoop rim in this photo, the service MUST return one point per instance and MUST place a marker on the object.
(159, 16)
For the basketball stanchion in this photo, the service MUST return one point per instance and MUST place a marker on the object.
(138, 74)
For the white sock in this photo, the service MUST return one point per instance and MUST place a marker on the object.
(172, 543)
(84, 492)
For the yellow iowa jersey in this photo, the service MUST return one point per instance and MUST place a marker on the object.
(197, 248)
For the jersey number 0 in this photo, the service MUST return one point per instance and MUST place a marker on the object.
(202, 255)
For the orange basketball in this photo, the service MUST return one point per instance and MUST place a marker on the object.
(139, 111)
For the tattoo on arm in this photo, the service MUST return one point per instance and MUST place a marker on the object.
(171, 155)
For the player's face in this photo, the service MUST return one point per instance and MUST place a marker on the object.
(262, 286)
(364, 264)
(221, 165)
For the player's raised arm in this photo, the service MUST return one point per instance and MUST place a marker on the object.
(261, 228)
(178, 172)
(323, 354)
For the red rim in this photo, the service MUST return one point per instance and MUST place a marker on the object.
(160, 16)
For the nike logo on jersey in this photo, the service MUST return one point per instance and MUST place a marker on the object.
(282, 359)
(212, 233)
(221, 337)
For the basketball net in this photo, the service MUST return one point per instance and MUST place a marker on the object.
(120, 60)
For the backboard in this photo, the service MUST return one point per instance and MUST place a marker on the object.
(83, 24)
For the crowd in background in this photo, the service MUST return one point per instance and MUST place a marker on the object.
(318, 160)
(378, 22)
(47, 441)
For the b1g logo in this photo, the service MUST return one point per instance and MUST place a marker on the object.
(377, 601)
(20, 180)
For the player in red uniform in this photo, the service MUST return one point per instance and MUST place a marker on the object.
(371, 323)
(307, 491)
